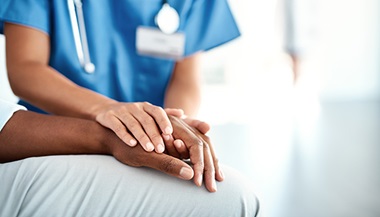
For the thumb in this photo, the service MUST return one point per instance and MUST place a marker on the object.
(171, 166)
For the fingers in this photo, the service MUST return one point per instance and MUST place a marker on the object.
(209, 164)
(141, 134)
(194, 146)
(175, 112)
(137, 123)
(202, 126)
(209, 170)
(218, 170)
(150, 117)
(172, 166)
(160, 117)
(219, 176)
(136, 156)
(116, 126)
(196, 158)
(169, 146)
(181, 149)
(167, 164)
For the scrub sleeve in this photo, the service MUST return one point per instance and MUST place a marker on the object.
(121, 73)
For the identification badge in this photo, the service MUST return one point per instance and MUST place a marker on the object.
(151, 41)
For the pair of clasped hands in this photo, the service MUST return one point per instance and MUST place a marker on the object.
(162, 139)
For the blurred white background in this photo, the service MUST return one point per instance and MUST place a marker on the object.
(340, 46)
(311, 146)
(5, 91)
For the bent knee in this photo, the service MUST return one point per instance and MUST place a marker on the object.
(238, 195)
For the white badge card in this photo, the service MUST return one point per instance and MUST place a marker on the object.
(151, 41)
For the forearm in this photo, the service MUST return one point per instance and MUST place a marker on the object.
(32, 79)
(185, 97)
(52, 92)
(29, 134)
(184, 90)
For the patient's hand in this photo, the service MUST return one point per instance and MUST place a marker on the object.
(176, 147)
(198, 148)
(194, 144)
(138, 157)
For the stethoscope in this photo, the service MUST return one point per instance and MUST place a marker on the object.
(167, 21)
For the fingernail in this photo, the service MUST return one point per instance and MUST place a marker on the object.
(214, 185)
(160, 148)
(133, 142)
(166, 136)
(186, 173)
(199, 180)
(221, 173)
(149, 146)
(168, 130)
(178, 143)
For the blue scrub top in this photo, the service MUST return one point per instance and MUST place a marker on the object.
(111, 25)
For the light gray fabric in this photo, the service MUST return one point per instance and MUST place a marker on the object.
(95, 185)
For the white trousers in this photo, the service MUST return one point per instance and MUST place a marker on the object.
(96, 185)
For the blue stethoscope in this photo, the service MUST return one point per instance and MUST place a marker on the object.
(167, 21)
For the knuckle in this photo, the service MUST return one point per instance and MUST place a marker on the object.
(199, 142)
(210, 170)
(206, 138)
(109, 114)
(140, 137)
(119, 129)
(146, 103)
(147, 120)
(132, 107)
(157, 109)
(155, 136)
(200, 165)
(206, 147)
(134, 128)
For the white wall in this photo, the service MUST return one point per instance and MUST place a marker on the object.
(349, 49)
(345, 57)
(5, 91)
(343, 64)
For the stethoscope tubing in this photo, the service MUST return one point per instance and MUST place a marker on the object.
(79, 30)
(80, 36)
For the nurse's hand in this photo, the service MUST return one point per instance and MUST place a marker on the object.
(200, 151)
(135, 123)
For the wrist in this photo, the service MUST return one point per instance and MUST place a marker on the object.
(106, 139)
(99, 107)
